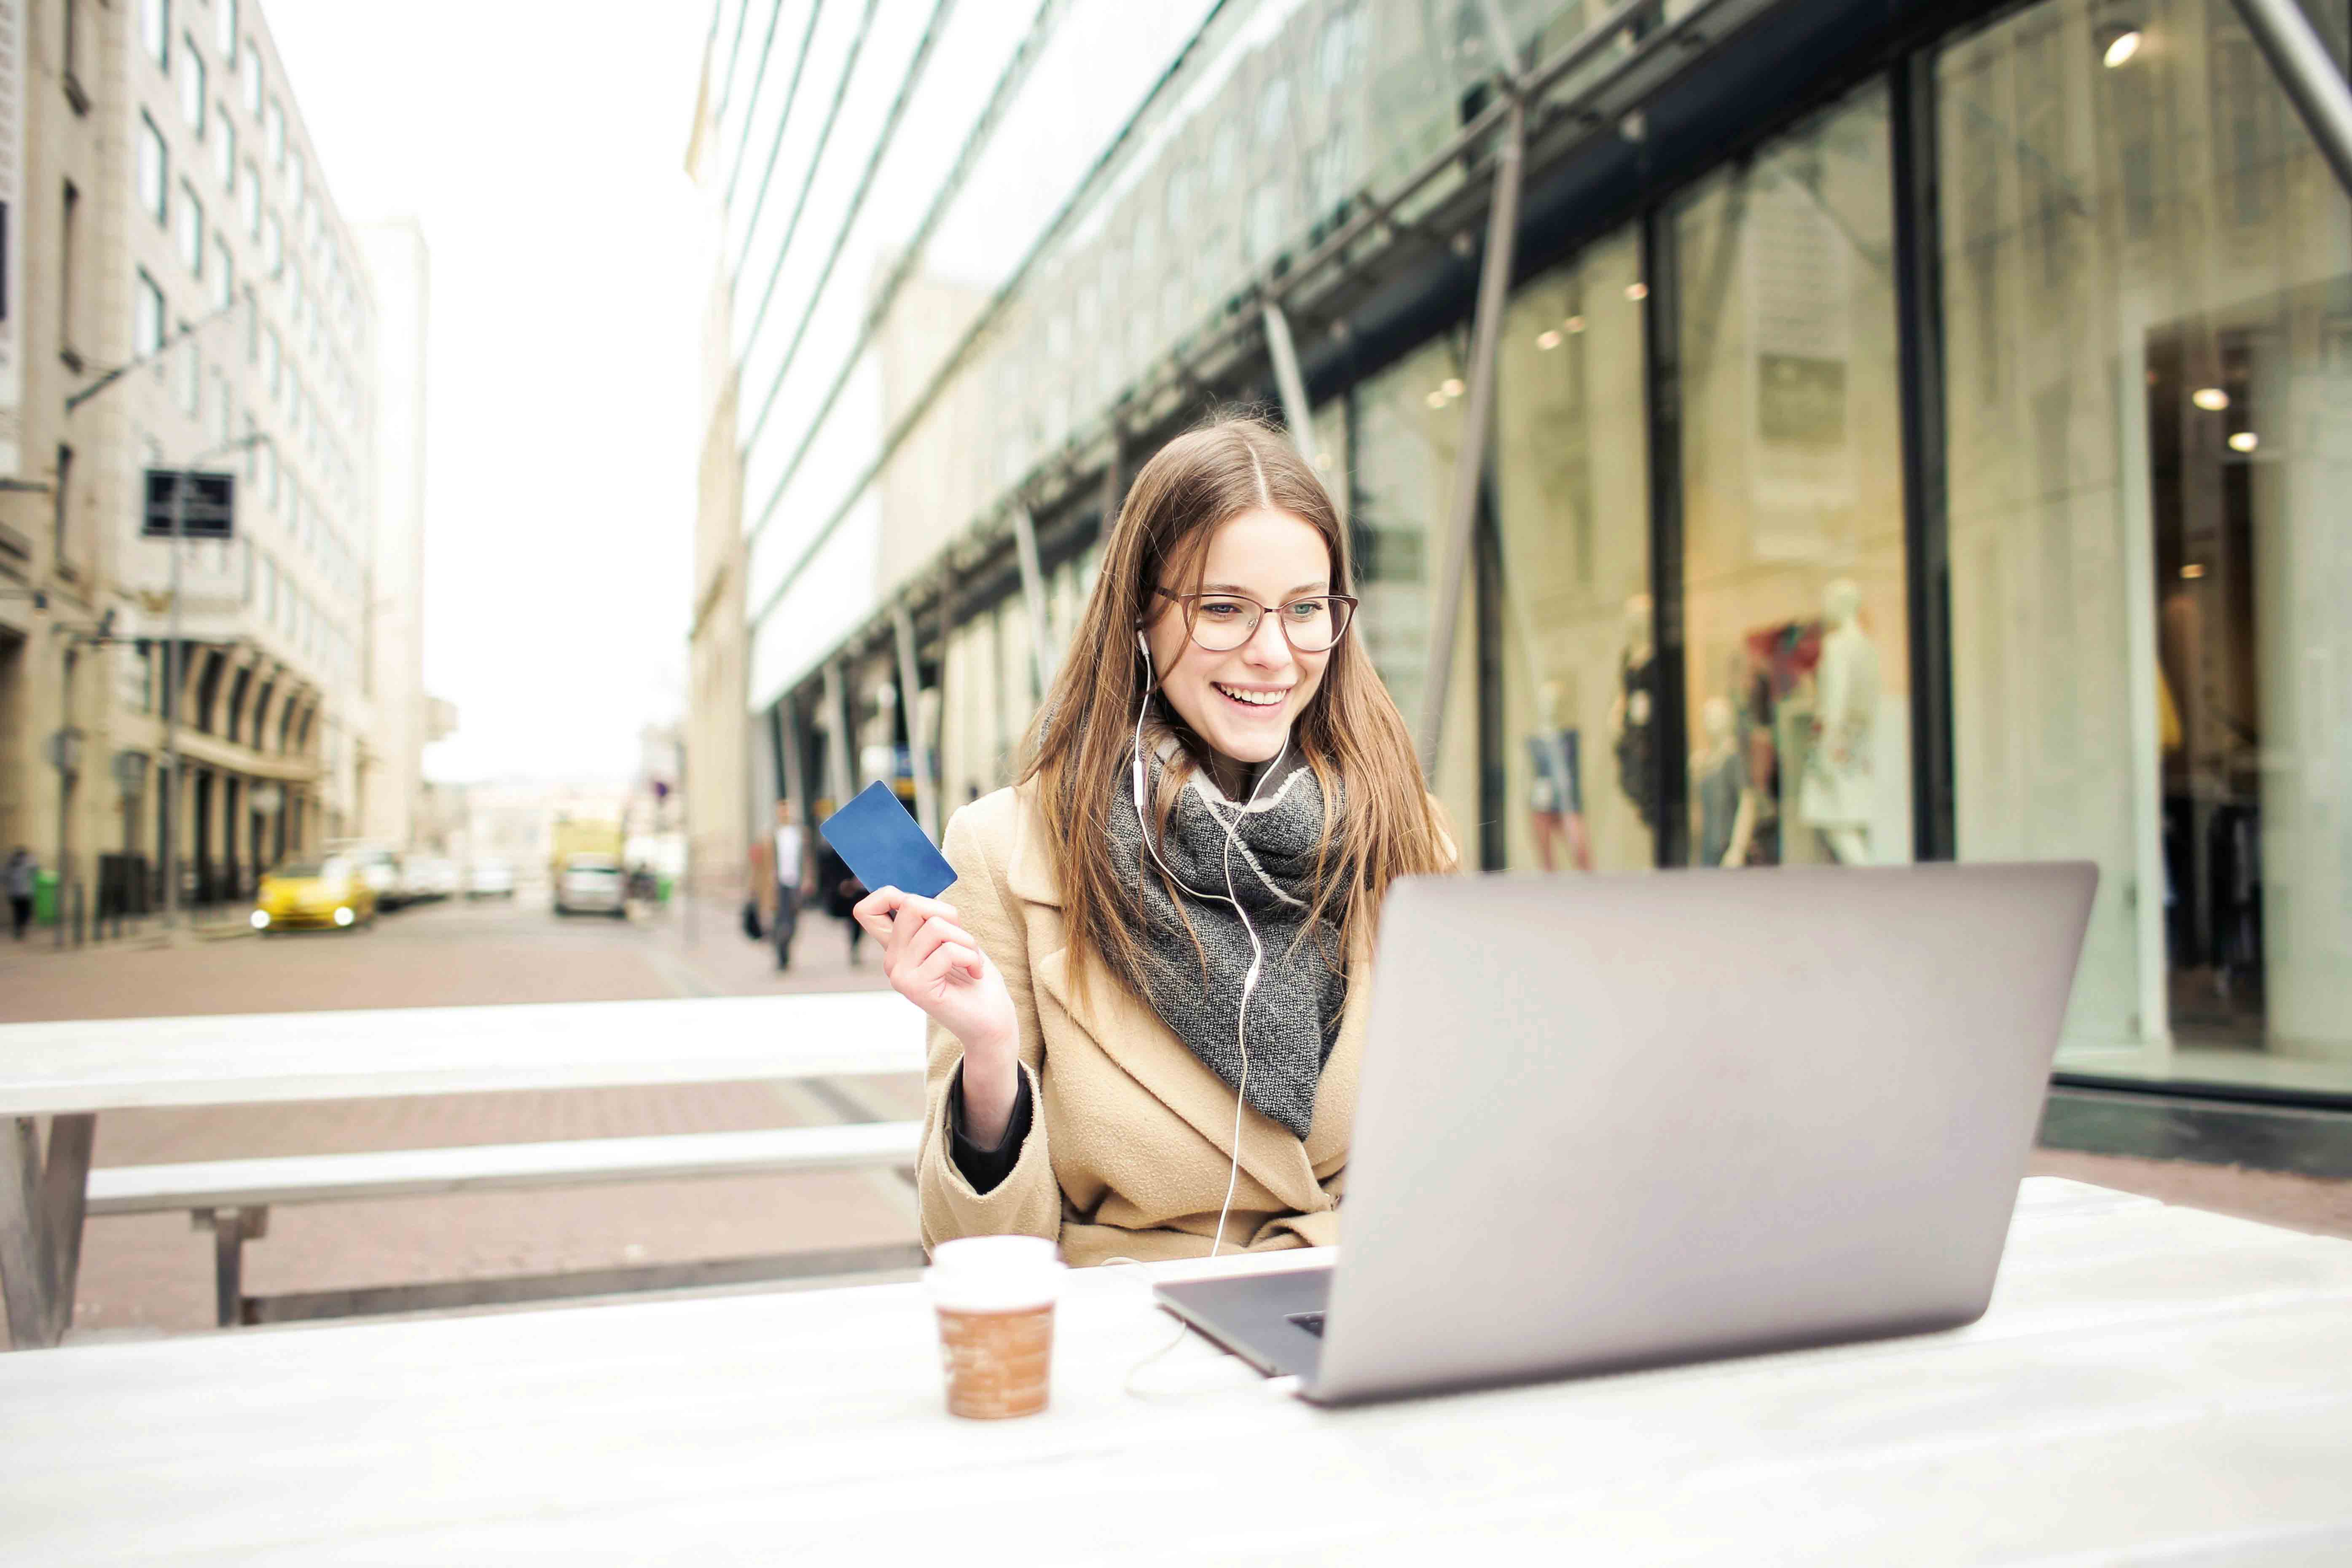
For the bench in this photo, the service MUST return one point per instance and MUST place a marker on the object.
(232, 1199)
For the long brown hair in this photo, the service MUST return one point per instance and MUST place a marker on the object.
(1349, 733)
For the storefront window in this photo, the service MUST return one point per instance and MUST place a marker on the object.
(1408, 433)
(2147, 304)
(1572, 497)
(1795, 662)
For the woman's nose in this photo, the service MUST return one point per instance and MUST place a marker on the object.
(1268, 648)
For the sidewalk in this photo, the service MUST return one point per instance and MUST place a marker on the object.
(720, 961)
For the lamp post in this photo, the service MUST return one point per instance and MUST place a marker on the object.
(169, 822)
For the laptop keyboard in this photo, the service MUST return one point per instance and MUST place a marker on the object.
(1311, 1321)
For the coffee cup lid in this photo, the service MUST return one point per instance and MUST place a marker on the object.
(994, 1273)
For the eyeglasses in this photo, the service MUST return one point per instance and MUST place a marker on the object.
(1223, 622)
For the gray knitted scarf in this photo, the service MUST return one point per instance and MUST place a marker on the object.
(1294, 1014)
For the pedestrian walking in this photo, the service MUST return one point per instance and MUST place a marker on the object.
(791, 866)
(22, 873)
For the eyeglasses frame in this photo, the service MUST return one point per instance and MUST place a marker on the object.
(1188, 604)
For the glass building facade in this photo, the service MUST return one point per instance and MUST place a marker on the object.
(1917, 429)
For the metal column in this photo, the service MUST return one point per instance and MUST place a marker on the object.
(838, 739)
(910, 705)
(1033, 590)
(1469, 466)
(2312, 77)
(1293, 385)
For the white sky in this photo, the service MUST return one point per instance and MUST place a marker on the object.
(542, 144)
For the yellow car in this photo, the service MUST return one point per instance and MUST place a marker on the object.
(329, 894)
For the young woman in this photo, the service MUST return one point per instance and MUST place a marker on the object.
(1091, 1066)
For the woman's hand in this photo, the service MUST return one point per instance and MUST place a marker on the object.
(937, 965)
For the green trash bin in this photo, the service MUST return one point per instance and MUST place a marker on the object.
(45, 897)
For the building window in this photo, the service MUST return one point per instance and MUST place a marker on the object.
(71, 59)
(192, 86)
(295, 183)
(1568, 603)
(61, 503)
(2145, 374)
(272, 361)
(252, 80)
(154, 170)
(249, 200)
(68, 277)
(224, 416)
(225, 31)
(225, 148)
(273, 246)
(147, 320)
(1797, 692)
(188, 226)
(155, 30)
(224, 272)
(273, 133)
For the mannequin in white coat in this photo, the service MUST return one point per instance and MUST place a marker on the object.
(1837, 793)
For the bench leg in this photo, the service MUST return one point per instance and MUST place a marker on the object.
(64, 1187)
(231, 1228)
(26, 1266)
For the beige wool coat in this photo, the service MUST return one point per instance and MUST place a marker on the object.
(1128, 1147)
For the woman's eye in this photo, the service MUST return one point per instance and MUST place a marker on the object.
(1220, 609)
(1306, 610)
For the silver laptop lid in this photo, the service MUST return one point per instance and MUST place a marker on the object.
(1612, 1122)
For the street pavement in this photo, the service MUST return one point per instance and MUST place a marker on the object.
(143, 1275)
(151, 1273)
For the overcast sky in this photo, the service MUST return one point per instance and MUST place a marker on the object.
(541, 145)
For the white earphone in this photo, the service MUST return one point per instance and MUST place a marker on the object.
(1257, 952)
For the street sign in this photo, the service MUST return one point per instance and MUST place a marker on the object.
(265, 797)
(65, 752)
(131, 771)
(207, 506)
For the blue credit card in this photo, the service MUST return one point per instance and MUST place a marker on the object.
(884, 846)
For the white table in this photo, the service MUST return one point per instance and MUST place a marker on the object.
(74, 1070)
(2153, 1384)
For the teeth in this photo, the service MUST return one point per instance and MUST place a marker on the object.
(1255, 699)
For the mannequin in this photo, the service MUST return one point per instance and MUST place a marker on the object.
(1836, 795)
(1631, 715)
(1556, 787)
(1726, 806)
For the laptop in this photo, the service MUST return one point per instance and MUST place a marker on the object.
(1611, 1123)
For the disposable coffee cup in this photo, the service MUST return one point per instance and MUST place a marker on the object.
(995, 1296)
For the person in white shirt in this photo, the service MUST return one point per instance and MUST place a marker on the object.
(791, 863)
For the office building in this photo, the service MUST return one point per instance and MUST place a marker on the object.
(1913, 426)
(188, 296)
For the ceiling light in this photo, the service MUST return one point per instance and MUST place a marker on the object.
(2192, 571)
(2120, 42)
(2245, 441)
(1436, 400)
(1575, 324)
(2211, 399)
(1548, 340)
(1451, 388)
(1637, 291)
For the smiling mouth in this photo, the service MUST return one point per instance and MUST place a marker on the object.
(1260, 700)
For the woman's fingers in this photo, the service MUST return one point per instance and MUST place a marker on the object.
(949, 958)
(889, 914)
(918, 944)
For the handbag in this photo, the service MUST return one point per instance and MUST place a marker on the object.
(752, 919)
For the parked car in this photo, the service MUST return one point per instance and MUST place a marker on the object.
(590, 885)
(425, 877)
(329, 894)
(489, 879)
(378, 866)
